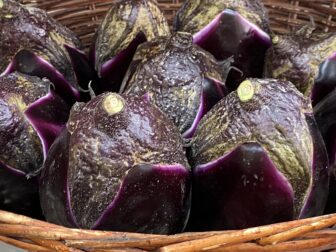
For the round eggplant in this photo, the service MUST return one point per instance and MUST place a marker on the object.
(119, 165)
(35, 44)
(325, 114)
(126, 25)
(228, 28)
(305, 59)
(183, 80)
(258, 158)
(31, 117)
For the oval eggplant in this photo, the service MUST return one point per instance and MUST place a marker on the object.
(31, 117)
(229, 28)
(126, 25)
(258, 158)
(33, 43)
(325, 114)
(119, 165)
(306, 60)
(183, 80)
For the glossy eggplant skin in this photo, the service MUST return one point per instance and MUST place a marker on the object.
(31, 116)
(183, 80)
(324, 113)
(119, 165)
(126, 25)
(229, 28)
(306, 59)
(264, 161)
(33, 43)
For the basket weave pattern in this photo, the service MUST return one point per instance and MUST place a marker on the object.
(83, 16)
(315, 234)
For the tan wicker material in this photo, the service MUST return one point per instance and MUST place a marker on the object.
(302, 235)
(315, 234)
(83, 16)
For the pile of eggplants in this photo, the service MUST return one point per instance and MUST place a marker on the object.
(214, 124)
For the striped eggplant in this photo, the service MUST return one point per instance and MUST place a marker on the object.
(31, 117)
(118, 165)
(126, 25)
(183, 80)
(306, 59)
(325, 114)
(228, 28)
(33, 43)
(258, 158)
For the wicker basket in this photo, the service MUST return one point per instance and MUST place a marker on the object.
(314, 234)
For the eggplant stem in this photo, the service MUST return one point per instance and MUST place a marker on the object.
(91, 91)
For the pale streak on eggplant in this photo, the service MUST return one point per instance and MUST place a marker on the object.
(123, 23)
(320, 51)
(177, 94)
(18, 92)
(288, 60)
(282, 130)
(37, 33)
(103, 150)
(1, 4)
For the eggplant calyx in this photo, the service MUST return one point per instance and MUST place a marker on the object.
(188, 142)
(182, 40)
(113, 104)
(245, 91)
(307, 30)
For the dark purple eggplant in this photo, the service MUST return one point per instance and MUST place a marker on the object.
(33, 43)
(325, 114)
(228, 28)
(119, 165)
(183, 80)
(307, 60)
(126, 25)
(31, 117)
(258, 158)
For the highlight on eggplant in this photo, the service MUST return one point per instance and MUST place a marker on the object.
(119, 165)
(31, 116)
(229, 27)
(183, 80)
(271, 168)
(127, 24)
(35, 44)
(325, 114)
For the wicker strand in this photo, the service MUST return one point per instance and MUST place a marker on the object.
(83, 16)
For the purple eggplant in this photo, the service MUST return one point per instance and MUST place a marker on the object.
(325, 114)
(306, 59)
(119, 165)
(127, 24)
(183, 80)
(228, 28)
(33, 43)
(31, 117)
(258, 158)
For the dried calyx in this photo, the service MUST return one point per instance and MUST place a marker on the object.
(183, 80)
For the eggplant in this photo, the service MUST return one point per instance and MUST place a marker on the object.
(183, 80)
(258, 158)
(33, 43)
(126, 25)
(228, 28)
(307, 59)
(31, 117)
(325, 112)
(118, 165)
